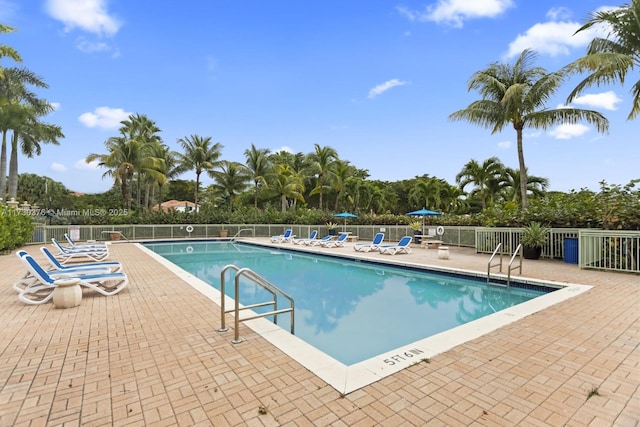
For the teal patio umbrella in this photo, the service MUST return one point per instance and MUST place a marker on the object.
(345, 215)
(424, 212)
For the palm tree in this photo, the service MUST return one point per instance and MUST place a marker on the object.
(288, 184)
(15, 99)
(7, 51)
(119, 161)
(511, 185)
(143, 132)
(609, 59)
(200, 155)
(258, 166)
(322, 162)
(343, 170)
(29, 135)
(169, 168)
(230, 180)
(516, 95)
(427, 193)
(480, 176)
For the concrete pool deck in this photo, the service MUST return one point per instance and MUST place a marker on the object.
(152, 355)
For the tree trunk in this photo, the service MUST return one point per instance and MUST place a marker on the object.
(283, 203)
(3, 167)
(13, 168)
(196, 194)
(523, 170)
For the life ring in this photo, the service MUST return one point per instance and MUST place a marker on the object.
(440, 230)
(189, 228)
(189, 249)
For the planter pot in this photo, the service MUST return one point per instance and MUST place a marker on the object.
(114, 236)
(224, 233)
(531, 253)
(332, 232)
(417, 239)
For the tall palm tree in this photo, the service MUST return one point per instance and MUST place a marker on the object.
(170, 168)
(516, 94)
(15, 99)
(343, 170)
(28, 136)
(120, 162)
(259, 166)
(610, 59)
(322, 162)
(7, 51)
(143, 133)
(230, 180)
(199, 155)
(480, 176)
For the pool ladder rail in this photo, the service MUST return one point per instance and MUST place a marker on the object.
(240, 231)
(263, 283)
(517, 252)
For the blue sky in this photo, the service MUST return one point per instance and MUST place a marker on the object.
(376, 80)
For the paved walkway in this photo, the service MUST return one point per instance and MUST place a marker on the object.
(151, 356)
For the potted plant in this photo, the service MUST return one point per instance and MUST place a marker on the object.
(416, 226)
(331, 226)
(533, 238)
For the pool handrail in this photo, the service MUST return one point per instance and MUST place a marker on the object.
(519, 251)
(263, 283)
(499, 264)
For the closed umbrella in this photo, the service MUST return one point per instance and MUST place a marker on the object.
(345, 215)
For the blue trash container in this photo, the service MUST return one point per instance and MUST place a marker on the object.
(571, 250)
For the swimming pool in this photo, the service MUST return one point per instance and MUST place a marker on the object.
(352, 311)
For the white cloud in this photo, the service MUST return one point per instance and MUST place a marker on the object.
(555, 37)
(87, 46)
(606, 100)
(88, 15)
(504, 144)
(381, 88)
(82, 164)
(58, 167)
(559, 13)
(455, 12)
(104, 117)
(568, 131)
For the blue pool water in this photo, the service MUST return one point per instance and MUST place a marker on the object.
(350, 310)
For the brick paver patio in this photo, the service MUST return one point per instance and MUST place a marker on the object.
(151, 355)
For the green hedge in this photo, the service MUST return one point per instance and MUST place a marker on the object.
(16, 228)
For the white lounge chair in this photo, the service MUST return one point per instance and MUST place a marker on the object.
(318, 242)
(67, 253)
(287, 237)
(338, 243)
(58, 271)
(402, 247)
(112, 266)
(373, 246)
(302, 241)
(74, 244)
(42, 290)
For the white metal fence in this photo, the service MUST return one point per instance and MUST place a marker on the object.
(593, 249)
(610, 250)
